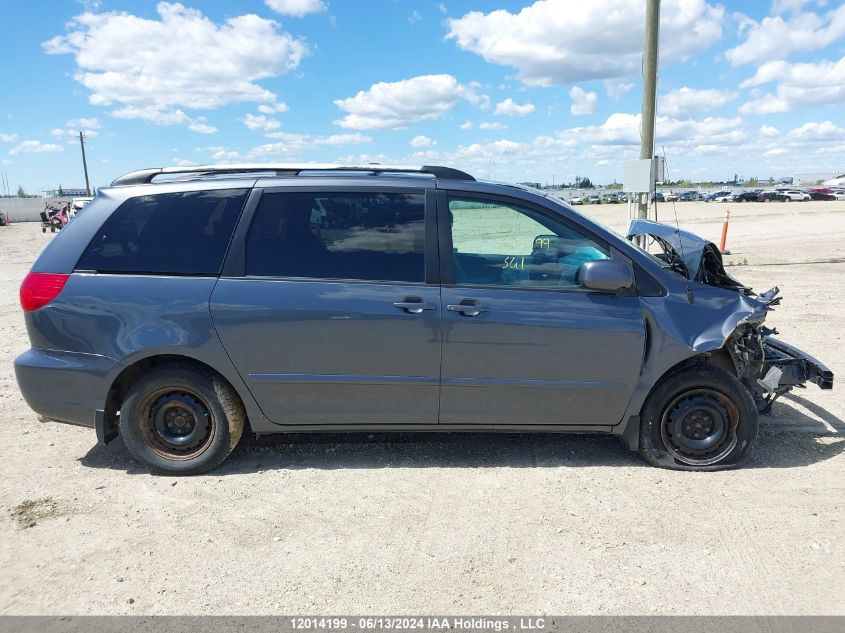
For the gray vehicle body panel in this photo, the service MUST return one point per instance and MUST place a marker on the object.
(122, 319)
(329, 354)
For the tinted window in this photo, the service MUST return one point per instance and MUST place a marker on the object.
(368, 236)
(499, 244)
(171, 233)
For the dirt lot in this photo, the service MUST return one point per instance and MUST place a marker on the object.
(449, 523)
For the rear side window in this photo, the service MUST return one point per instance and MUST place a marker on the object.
(171, 233)
(366, 236)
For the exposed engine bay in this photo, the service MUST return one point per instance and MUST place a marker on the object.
(767, 366)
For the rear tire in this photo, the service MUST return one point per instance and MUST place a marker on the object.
(181, 420)
(699, 418)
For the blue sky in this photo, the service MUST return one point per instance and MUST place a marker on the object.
(535, 91)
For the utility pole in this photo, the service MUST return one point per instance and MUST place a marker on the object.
(84, 164)
(650, 56)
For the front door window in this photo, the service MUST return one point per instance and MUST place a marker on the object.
(497, 244)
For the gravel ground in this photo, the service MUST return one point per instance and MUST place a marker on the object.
(448, 524)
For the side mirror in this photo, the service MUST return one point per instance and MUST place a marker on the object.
(605, 275)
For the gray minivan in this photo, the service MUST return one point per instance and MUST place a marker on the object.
(189, 304)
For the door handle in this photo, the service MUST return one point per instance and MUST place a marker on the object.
(467, 309)
(414, 307)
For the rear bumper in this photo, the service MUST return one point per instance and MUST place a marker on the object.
(64, 386)
(798, 367)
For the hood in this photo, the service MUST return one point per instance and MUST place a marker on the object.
(688, 246)
(692, 256)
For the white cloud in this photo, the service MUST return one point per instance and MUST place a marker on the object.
(813, 131)
(616, 89)
(466, 125)
(422, 141)
(624, 129)
(559, 41)
(798, 86)
(296, 8)
(768, 131)
(37, 147)
(509, 107)
(8, 138)
(684, 101)
(260, 123)
(160, 115)
(788, 6)
(775, 37)
(399, 104)
(492, 125)
(90, 123)
(223, 155)
(291, 145)
(72, 132)
(273, 108)
(121, 59)
(582, 102)
(199, 125)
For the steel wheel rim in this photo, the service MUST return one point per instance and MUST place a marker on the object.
(698, 428)
(177, 423)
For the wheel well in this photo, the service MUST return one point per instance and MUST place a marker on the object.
(717, 358)
(133, 372)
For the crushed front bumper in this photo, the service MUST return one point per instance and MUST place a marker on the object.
(785, 367)
(797, 367)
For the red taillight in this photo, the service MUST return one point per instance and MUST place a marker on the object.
(39, 289)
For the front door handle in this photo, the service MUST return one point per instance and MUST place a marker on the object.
(467, 307)
(414, 307)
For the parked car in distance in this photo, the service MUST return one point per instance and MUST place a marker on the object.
(690, 196)
(576, 200)
(795, 195)
(671, 197)
(594, 199)
(188, 304)
(821, 195)
(76, 205)
(772, 195)
(658, 197)
(747, 196)
(610, 198)
(838, 194)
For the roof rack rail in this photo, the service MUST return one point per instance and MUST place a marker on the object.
(146, 176)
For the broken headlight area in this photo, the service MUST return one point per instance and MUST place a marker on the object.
(767, 366)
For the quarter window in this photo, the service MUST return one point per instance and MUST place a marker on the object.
(502, 245)
(172, 233)
(366, 236)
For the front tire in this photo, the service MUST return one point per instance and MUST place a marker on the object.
(699, 418)
(181, 420)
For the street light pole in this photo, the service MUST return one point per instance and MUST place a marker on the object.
(84, 164)
(650, 58)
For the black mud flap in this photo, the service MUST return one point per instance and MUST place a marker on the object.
(106, 429)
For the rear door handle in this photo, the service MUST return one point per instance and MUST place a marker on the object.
(414, 307)
(467, 309)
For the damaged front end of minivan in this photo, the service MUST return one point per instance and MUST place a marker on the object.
(767, 366)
